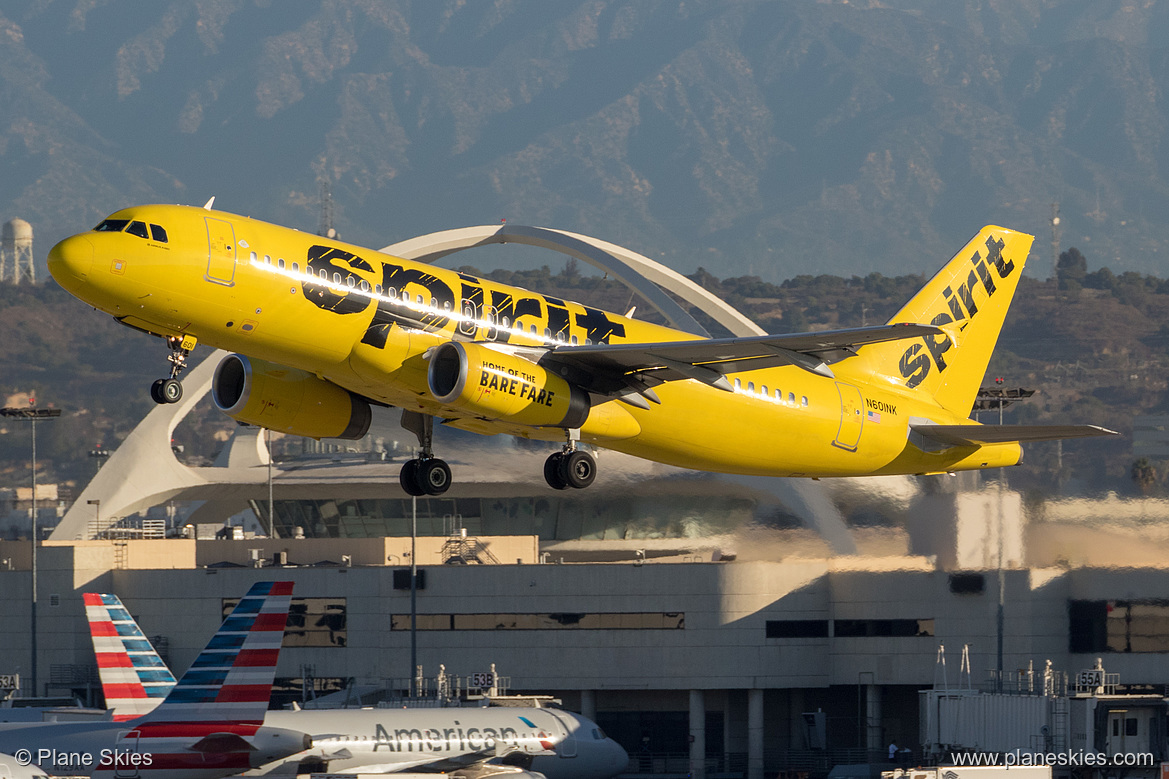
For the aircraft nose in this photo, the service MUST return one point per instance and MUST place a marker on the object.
(72, 257)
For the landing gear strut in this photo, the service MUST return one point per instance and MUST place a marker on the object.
(570, 467)
(171, 390)
(425, 474)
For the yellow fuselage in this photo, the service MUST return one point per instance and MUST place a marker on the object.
(244, 285)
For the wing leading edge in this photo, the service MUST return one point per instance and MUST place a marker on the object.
(616, 369)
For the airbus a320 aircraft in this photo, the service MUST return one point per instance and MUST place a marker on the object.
(323, 329)
(461, 742)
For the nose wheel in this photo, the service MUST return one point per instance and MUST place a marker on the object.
(170, 390)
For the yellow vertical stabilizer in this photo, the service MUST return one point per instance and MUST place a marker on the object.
(968, 299)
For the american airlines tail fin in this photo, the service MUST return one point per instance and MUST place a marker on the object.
(968, 298)
(134, 678)
(231, 680)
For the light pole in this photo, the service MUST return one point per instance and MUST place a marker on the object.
(32, 414)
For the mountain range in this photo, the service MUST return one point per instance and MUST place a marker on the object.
(748, 138)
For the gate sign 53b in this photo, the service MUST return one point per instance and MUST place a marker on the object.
(482, 680)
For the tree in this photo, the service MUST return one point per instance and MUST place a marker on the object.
(1072, 267)
(1144, 473)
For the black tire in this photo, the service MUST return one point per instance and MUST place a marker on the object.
(171, 390)
(578, 469)
(553, 473)
(408, 478)
(156, 392)
(434, 476)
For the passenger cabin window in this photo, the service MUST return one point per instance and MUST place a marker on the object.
(533, 329)
(267, 259)
(779, 395)
(377, 290)
(112, 226)
(336, 278)
(349, 282)
(738, 384)
(138, 229)
(296, 267)
(280, 263)
(324, 274)
(252, 257)
(751, 386)
(158, 234)
(791, 398)
(804, 401)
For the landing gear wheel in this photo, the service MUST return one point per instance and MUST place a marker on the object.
(554, 473)
(578, 469)
(433, 476)
(156, 392)
(170, 390)
(409, 478)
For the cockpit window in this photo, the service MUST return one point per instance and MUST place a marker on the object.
(112, 226)
(157, 233)
(138, 229)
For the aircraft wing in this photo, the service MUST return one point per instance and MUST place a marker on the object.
(613, 369)
(977, 435)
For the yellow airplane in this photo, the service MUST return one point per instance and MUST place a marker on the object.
(322, 330)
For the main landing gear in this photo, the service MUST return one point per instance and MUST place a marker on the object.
(425, 474)
(170, 390)
(570, 467)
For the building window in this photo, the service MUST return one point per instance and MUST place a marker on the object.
(316, 622)
(797, 628)
(551, 621)
(967, 583)
(1118, 626)
(874, 628)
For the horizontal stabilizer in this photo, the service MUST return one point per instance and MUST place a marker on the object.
(978, 435)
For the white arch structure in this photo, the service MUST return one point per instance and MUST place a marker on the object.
(649, 279)
(144, 471)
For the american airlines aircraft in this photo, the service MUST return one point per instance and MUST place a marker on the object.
(209, 725)
(479, 741)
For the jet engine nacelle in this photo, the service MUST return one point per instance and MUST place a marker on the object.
(496, 385)
(287, 399)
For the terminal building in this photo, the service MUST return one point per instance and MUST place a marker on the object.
(710, 624)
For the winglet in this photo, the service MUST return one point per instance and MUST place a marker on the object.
(133, 677)
(231, 680)
(209, 203)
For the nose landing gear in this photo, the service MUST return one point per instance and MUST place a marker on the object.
(570, 467)
(170, 390)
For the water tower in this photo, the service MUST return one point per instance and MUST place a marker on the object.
(16, 251)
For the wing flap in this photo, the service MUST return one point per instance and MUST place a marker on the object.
(979, 435)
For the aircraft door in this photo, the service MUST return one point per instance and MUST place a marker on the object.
(567, 745)
(851, 417)
(126, 755)
(220, 252)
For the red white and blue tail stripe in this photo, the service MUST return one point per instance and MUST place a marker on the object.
(133, 676)
(231, 680)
